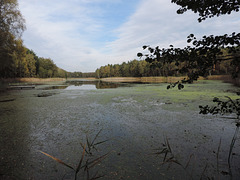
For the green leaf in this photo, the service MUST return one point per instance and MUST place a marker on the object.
(144, 47)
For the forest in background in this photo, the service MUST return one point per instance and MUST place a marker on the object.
(144, 68)
(23, 62)
(18, 61)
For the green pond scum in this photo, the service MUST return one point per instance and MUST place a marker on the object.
(149, 132)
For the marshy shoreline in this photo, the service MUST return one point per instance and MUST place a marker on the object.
(136, 120)
(157, 79)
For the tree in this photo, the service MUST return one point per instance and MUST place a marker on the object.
(31, 65)
(142, 68)
(18, 55)
(117, 72)
(36, 59)
(11, 28)
(201, 56)
(125, 70)
(208, 8)
(6, 61)
(47, 68)
(15, 59)
(11, 19)
(214, 44)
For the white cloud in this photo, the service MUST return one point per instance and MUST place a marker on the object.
(156, 23)
(61, 31)
(79, 35)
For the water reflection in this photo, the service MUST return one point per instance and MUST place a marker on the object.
(55, 87)
(106, 85)
(74, 85)
(90, 85)
(83, 87)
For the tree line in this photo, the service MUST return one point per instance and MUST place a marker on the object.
(78, 74)
(15, 59)
(25, 63)
(146, 68)
(202, 57)
(211, 54)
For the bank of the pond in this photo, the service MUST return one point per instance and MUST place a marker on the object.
(157, 79)
(134, 120)
(31, 80)
(169, 79)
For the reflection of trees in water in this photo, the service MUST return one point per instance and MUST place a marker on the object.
(80, 83)
(55, 87)
(76, 83)
(105, 85)
(98, 84)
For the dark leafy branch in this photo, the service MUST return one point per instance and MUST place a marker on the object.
(200, 58)
(223, 107)
(202, 55)
(208, 8)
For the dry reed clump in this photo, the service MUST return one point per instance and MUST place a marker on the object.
(86, 162)
(121, 79)
(169, 79)
(40, 79)
(12, 80)
(224, 78)
(157, 79)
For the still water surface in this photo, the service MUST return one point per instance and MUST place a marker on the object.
(133, 118)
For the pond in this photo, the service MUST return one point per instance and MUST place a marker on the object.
(132, 123)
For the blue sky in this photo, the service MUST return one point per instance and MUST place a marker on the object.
(82, 35)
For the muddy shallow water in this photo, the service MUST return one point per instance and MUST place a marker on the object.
(134, 120)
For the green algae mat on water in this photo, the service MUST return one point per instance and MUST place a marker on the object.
(137, 121)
